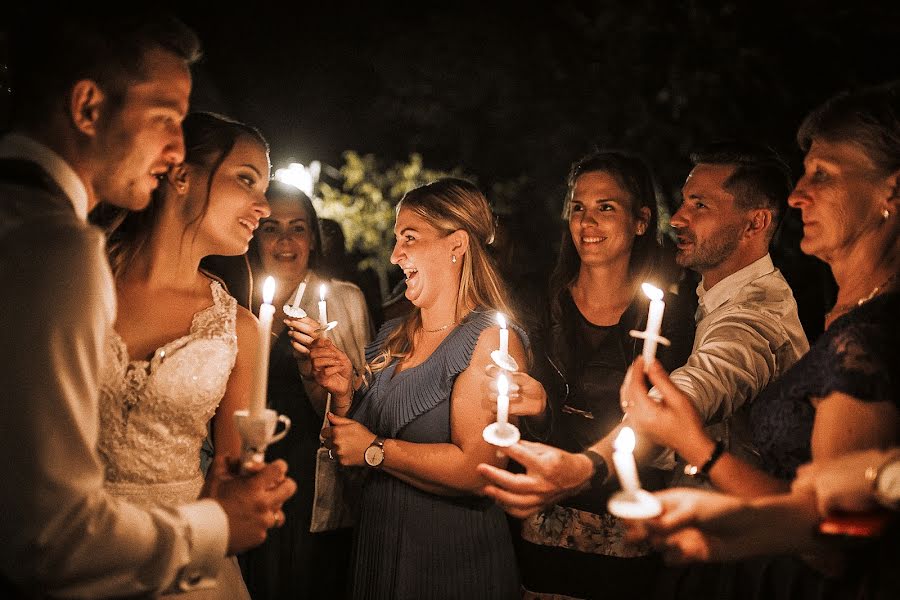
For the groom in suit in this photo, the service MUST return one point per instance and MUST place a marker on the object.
(97, 111)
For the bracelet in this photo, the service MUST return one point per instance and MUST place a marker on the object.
(695, 471)
(601, 469)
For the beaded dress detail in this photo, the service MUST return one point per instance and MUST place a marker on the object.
(154, 414)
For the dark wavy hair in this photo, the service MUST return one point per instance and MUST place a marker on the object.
(632, 173)
(208, 139)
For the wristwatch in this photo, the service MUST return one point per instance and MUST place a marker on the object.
(886, 482)
(374, 454)
(601, 470)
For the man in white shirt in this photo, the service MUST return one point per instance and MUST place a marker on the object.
(748, 332)
(97, 110)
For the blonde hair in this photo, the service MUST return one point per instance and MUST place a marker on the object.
(450, 205)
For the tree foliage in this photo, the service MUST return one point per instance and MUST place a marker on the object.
(362, 198)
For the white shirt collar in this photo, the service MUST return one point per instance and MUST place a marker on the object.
(723, 291)
(15, 145)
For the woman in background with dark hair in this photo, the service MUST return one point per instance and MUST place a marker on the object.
(575, 549)
(181, 354)
(294, 563)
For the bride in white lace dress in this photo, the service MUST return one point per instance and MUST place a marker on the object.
(181, 352)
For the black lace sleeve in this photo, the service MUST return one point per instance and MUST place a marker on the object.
(860, 357)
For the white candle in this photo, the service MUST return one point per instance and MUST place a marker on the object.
(654, 321)
(300, 290)
(502, 399)
(261, 379)
(323, 308)
(623, 459)
(504, 334)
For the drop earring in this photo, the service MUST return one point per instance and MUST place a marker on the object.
(885, 214)
(453, 258)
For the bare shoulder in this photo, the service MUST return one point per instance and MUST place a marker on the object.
(246, 323)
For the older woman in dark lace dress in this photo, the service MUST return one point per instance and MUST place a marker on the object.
(842, 396)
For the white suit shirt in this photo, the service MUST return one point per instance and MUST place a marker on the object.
(748, 334)
(61, 533)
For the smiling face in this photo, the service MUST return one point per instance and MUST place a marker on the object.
(839, 196)
(142, 137)
(708, 225)
(425, 255)
(601, 220)
(237, 200)
(285, 240)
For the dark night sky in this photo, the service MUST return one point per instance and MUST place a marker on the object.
(527, 89)
(518, 91)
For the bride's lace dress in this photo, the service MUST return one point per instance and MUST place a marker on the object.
(154, 416)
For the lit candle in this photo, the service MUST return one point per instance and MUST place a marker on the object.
(504, 334)
(300, 290)
(502, 399)
(323, 307)
(261, 380)
(623, 459)
(654, 321)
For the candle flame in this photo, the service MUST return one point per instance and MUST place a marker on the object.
(322, 289)
(653, 292)
(625, 440)
(501, 319)
(269, 290)
(502, 385)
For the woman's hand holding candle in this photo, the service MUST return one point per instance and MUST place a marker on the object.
(526, 395)
(333, 371)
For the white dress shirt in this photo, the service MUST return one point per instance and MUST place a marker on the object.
(62, 533)
(748, 334)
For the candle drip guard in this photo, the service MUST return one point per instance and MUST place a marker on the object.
(257, 433)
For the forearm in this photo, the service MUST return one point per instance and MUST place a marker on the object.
(734, 476)
(441, 466)
(426, 486)
(780, 524)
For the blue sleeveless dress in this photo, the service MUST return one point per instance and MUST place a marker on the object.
(410, 543)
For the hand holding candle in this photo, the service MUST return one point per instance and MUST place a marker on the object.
(651, 335)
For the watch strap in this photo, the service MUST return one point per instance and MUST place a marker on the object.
(601, 469)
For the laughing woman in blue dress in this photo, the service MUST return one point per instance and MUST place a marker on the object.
(417, 415)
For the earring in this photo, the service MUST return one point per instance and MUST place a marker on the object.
(885, 214)
(453, 258)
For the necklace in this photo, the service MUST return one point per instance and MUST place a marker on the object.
(840, 309)
(439, 328)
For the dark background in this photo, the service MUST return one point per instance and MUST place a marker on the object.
(512, 93)
(506, 90)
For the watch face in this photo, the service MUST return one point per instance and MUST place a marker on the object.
(888, 483)
(374, 456)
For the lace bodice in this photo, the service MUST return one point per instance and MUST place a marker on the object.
(856, 356)
(153, 414)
